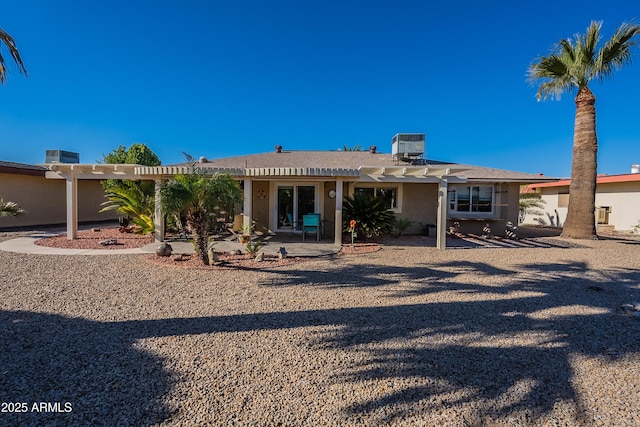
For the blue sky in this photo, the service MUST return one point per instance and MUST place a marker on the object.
(222, 78)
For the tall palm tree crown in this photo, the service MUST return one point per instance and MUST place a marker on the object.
(572, 65)
(7, 40)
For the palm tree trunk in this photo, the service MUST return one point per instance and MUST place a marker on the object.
(198, 224)
(580, 223)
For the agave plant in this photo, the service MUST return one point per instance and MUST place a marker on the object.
(372, 215)
(130, 199)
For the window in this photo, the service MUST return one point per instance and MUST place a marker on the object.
(471, 199)
(563, 200)
(293, 202)
(390, 194)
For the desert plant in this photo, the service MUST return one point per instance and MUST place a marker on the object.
(372, 215)
(253, 246)
(10, 209)
(401, 224)
(530, 203)
(130, 199)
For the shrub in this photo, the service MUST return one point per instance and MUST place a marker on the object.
(372, 215)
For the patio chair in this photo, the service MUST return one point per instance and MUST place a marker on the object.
(311, 223)
(289, 222)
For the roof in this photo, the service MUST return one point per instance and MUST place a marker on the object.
(359, 161)
(357, 165)
(21, 168)
(601, 179)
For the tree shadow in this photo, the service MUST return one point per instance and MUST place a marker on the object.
(91, 365)
(458, 353)
(500, 356)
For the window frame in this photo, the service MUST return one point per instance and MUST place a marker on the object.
(453, 201)
(376, 187)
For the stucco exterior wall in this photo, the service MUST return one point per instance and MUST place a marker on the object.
(45, 200)
(623, 199)
(420, 206)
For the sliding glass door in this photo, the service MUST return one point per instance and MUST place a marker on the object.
(293, 202)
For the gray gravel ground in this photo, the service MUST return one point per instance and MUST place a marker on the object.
(404, 336)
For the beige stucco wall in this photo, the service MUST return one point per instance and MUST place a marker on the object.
(420, 206)
(623, 199)
(45, 200)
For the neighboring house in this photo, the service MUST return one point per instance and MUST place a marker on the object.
(617, 201)
(44, 199)
(281, 186)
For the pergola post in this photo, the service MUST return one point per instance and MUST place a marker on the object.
(247, 203)
(441, 221)
(338, 215)
(72, 206)
(158, 216)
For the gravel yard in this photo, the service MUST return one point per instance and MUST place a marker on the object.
(404, 336)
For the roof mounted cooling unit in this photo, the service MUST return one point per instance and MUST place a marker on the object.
(60, 156)
(408, 147)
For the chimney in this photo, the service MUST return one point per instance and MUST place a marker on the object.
(635, 168)
(372, 149)
(278, 148)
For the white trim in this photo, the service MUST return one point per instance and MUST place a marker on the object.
(318, 199)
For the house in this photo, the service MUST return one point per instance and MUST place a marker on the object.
(283, 185)
(617, 201)
(43, 199)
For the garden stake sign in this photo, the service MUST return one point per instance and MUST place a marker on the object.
(352, 224)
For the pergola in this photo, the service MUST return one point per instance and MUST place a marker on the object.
(72, 173)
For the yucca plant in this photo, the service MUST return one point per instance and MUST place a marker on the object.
(372, 215)
(130, 199)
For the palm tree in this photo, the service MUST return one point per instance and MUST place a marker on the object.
(573, 64)
(195, 197)
(7, 40)
(530, 203)
(133, 200)
(9, 209)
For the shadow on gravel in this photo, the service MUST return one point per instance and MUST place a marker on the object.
(451, 358)
(90, 365)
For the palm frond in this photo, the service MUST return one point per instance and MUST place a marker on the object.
(573, 63)
(13, 51)
(132, 202)
(616, 52)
